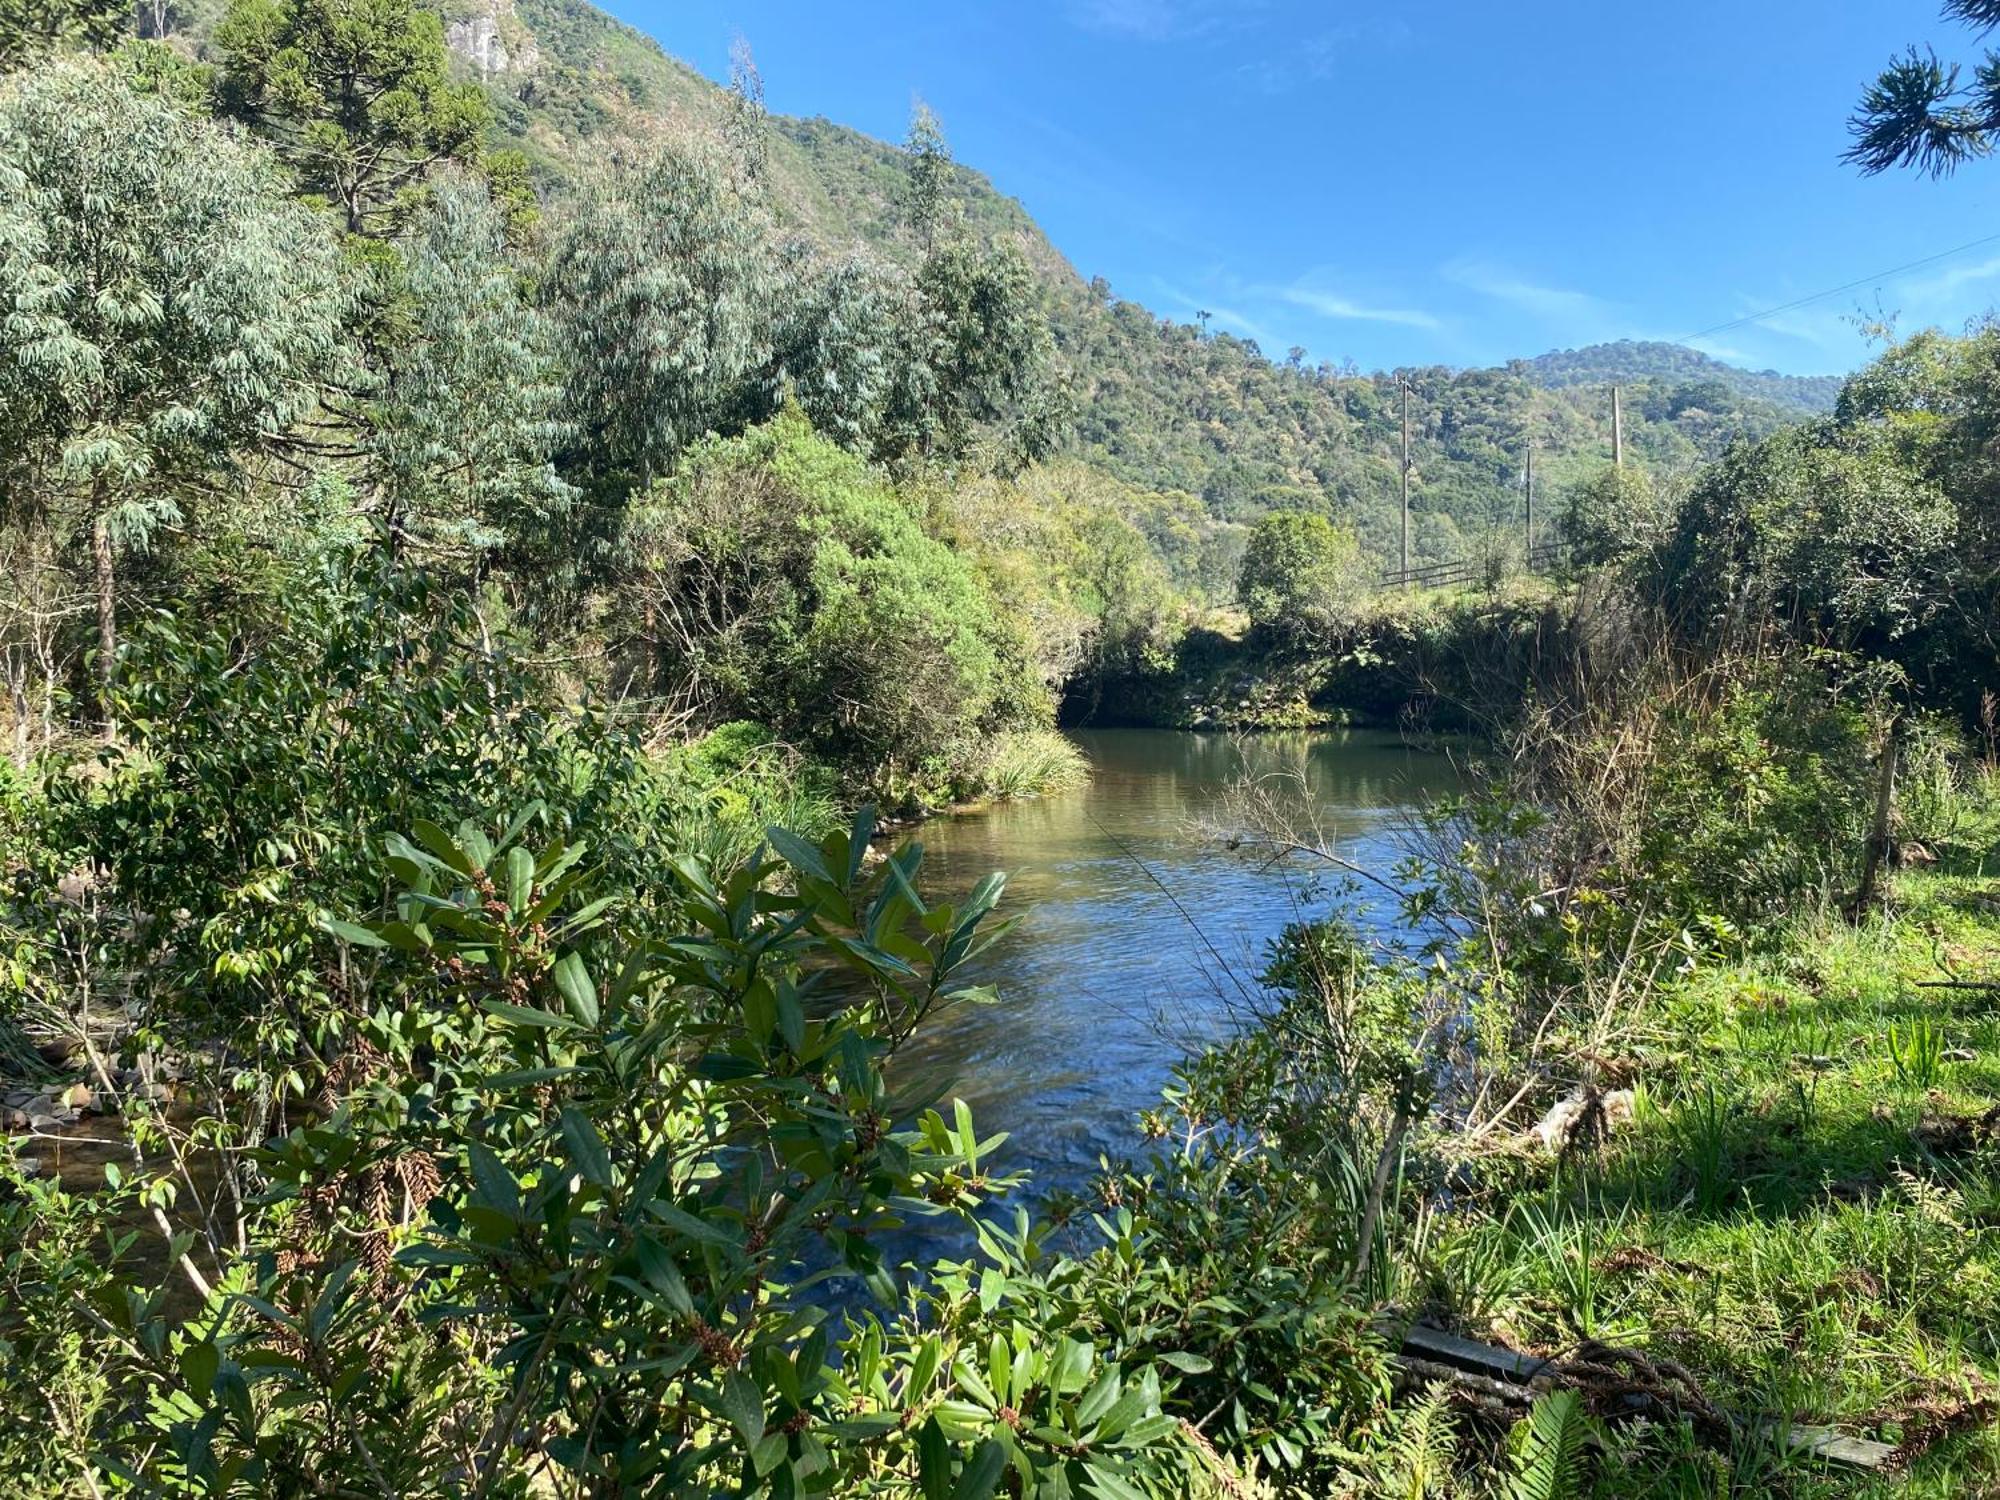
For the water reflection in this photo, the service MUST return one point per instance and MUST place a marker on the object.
(1106, 980)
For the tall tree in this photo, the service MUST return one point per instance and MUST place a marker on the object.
(836, 335)
(979, 358)
(466, 419)
(658, 286)
(1918, 114)
(745, 127)
(927, 200)
(168, 307)
(356, 94)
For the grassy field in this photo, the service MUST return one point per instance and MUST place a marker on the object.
(1800, 1209)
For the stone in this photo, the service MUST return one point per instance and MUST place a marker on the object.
(1568, 1115)
(480, 35)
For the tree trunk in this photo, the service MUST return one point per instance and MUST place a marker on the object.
(107, 615)
(1881, 831)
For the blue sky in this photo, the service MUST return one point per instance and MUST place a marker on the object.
(1442, 181)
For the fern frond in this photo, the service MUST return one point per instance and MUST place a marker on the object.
(1550, 1441)
(1424, 1450)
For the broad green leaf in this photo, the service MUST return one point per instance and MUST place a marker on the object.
(574, 983)
(586, 1147)
(348, 932)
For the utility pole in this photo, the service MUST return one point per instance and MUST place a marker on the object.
(1528, 485)
(1617, 429)
(1406, 484)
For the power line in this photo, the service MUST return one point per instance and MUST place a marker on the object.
(1834, 291)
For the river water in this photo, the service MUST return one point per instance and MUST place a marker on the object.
(1141, 934)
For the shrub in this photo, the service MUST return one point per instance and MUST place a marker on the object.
(785, 582)
(1302, 579)
(568, 1202)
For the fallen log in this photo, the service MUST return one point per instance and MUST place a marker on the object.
(1496, 1376)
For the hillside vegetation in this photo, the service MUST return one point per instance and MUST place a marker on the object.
(1159, 405)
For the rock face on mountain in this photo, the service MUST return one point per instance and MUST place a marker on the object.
(491, 38)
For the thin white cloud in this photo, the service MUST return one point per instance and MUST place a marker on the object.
(1146, 20)
(1945, 283)
(1560, 304)
(1318, 58)
(1333, 305)
(1834, 332)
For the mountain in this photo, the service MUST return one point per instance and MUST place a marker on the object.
(1162, 405)
(1633, 359)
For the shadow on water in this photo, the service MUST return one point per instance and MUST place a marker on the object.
(1104, 984)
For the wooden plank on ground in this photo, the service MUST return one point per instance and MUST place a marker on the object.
(1839, 1448)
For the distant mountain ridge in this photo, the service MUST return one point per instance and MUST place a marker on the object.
(1642, 359)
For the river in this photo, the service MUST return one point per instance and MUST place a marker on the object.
(1140, 933)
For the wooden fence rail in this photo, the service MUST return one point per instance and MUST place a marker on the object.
(1546, 558)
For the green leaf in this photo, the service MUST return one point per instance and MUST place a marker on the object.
(348, 932)
(586, 1148)
(1187, 1364)
(520, 879)
(743, 1405)
(799, 854)
(199, 1362)
(441, 844)
(578, 992)
(522, 1015)
(934, 1461)
(492, 1182)
(982, 1474)
(1109, 1484)
(791, 1017)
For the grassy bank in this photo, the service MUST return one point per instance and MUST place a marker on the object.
(1798, 1206)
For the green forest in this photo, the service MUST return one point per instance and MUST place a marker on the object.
(507, 543)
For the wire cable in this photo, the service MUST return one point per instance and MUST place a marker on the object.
(1834, 291)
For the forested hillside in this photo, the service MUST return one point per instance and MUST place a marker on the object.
(1163, 406)
(1631, 360)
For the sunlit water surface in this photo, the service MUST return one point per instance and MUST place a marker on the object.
(1140, 933)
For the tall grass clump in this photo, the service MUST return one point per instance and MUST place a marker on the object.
(1032, 763)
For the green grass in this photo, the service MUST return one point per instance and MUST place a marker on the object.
(1804, 1209)
(1032, 763)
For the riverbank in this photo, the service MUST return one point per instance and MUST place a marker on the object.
(1791, 1198)
(1448, 660)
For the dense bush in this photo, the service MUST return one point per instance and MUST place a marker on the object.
(1302, 579)
(565, 1209)
(782, 580)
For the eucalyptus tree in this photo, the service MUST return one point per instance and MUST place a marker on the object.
(927, 201)
(978, 360)
(745, 128)
(168, 308)
(466, 418)
(976, 356)
(838, 330)
(659, 285)
(356, 94)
